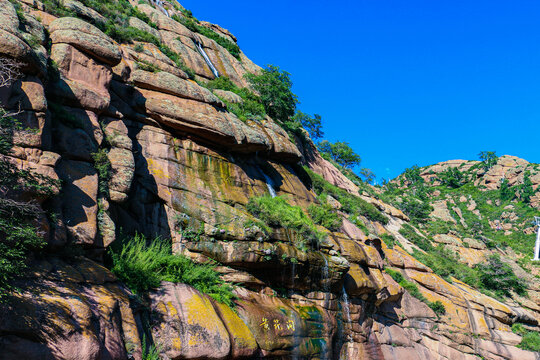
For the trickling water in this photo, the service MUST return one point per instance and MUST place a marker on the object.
(159, 4)
(269, 184)
(347, 311)
(325, 275)
(207, 59)
(325, 284)
(346, 305)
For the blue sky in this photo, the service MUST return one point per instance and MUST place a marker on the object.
(404, 82)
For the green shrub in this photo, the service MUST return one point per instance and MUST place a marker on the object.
(410, 234)
(388, 240)
(325, 215)
(396, 275)
(411, 177)
(312, 124)
(506, 192)
(18, 235)
(274, 88)
(530, 339)
(251, 106)
(142, 265)
(277, 212)
(437, 307)
(147, 66)
(488, 158)
(149, 352)
(418, 211)
(499, 277)
(360, 224)
(452, 178)
(351, 204)
(526, 190)
(103, 168)
(341, 152)
(56, 8)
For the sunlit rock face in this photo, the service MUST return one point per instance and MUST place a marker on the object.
(179, 157)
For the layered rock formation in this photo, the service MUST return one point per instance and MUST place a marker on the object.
(177, 155)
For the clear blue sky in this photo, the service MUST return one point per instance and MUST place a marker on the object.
(404, 82)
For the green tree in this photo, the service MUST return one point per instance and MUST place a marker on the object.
(505, 191)
(499, 277)
(489, 158)
(367, 175)
(412, 176)
(312, 124)
(526, 190)
(274, 87)
(341, 152)
(452, 177)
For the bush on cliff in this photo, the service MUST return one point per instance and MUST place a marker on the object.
(341, 152)
(251, 106)
(142, 265)
(325, 215)
(499, 277)
(277, 212)
(274, 88)
(417, 210)
(351, 204)
(452, 178)
(530, 340)
(19, 235)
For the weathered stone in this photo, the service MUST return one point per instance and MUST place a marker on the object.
(84, 11)
(229, 96)
(170, 84)
(85, 37)
(141, 25)
(122, 170)
(191, 328)
(80, 200)
(77, 66)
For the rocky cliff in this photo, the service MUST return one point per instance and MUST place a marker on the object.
(134, 141)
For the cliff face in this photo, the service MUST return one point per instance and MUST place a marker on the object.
(180, 161)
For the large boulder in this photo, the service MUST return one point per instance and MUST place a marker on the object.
(80, 190)
(86, 38)
(189, 327)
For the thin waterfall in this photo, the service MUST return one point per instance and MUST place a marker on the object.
(346, 308)
(159, 5)
(325, 284)
(536, 256)
(207, 59)
(325, 274)
(269, 184)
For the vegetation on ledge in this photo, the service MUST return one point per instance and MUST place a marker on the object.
(142, 265)
(276, 212)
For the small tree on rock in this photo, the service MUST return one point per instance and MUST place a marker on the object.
(274, 87)
(489, 158)
(341, 152)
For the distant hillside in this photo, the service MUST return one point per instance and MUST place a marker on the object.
(467, 214)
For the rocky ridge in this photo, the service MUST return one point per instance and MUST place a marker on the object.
(177, 153)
